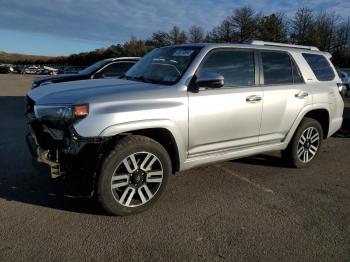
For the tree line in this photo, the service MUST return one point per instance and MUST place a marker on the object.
(326, 30)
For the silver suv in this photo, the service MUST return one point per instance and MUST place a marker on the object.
(180, 107)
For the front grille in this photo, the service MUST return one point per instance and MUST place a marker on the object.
(29, 105)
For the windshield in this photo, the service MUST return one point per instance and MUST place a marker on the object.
(91, 69)
(164, 65)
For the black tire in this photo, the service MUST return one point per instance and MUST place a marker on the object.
(124, 148)
(290, 154)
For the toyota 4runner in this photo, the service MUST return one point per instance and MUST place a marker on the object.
(180, 107)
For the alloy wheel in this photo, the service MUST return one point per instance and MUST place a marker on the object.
(308, 144)
(137, 179)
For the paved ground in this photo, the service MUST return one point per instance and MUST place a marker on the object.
(254, 209)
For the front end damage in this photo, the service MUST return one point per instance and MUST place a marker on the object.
(61, 148)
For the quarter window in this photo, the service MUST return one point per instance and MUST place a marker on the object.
(320, 66)
(237, 66)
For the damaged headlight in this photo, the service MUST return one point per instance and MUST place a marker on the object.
(61, 114)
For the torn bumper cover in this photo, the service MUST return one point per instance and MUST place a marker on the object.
(42, 156)
(62, 149)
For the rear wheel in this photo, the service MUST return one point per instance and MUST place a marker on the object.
(305, 144)
(133, 176)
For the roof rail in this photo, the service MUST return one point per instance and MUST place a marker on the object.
(259, 42)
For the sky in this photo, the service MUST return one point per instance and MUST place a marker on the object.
(62, 27)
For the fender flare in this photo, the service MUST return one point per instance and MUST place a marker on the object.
(300, 117)
(125, 127)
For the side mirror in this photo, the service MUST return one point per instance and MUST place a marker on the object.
(209, 80)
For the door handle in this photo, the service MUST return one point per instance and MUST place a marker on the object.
(301, 94)
(253, 99)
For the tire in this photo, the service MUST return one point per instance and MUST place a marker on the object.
(125, 188)
(301, 152)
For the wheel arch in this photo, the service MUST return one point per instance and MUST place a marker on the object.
(322, 116)
(320, 113)
(162, 131)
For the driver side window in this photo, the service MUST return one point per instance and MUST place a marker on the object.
(237, 66)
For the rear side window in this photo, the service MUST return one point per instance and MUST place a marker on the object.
(277, 68)
(237, 66)
(320, 66)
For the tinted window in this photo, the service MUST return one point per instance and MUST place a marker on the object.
(237, 66)
(320, 66)
(116, 69)
(277, 68)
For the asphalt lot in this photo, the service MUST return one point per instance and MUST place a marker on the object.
(253, 209)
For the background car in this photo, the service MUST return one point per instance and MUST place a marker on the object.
(32, 70)
(113, 67)
(4, 69)
(344, 86)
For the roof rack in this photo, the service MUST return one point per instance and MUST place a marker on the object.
(259, 42)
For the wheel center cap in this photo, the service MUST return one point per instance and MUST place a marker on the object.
(307, 144)
(137, 178)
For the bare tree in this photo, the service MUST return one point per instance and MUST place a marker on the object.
(244, 23)
(273, 28)
(303, 27)
(160, 38)
(195, 34)
(222, 33)
(325, 30)
(176, 36)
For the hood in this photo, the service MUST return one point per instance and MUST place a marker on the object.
(59, 78)
(88, 91)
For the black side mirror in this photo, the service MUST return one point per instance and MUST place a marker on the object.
(209, 80)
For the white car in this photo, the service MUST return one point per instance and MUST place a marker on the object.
(31, 70)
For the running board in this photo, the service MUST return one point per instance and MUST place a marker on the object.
(229, 154)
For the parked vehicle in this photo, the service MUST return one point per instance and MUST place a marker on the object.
(47, 70)
(4, 69)
(32, 70)
(113, 67)
(183, 106)
(344, 86)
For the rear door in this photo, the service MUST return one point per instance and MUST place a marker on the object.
(285, 95)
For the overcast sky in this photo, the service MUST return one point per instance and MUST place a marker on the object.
(60, 27)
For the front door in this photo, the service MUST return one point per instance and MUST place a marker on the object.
(229, 117)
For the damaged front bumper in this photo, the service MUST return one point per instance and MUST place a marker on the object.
(42, 156)
(62, 149)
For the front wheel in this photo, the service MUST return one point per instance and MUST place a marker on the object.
(133, 176)
(305, 144)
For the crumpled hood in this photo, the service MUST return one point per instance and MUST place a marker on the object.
(87, 91)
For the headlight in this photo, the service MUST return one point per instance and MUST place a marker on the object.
(61, 114)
